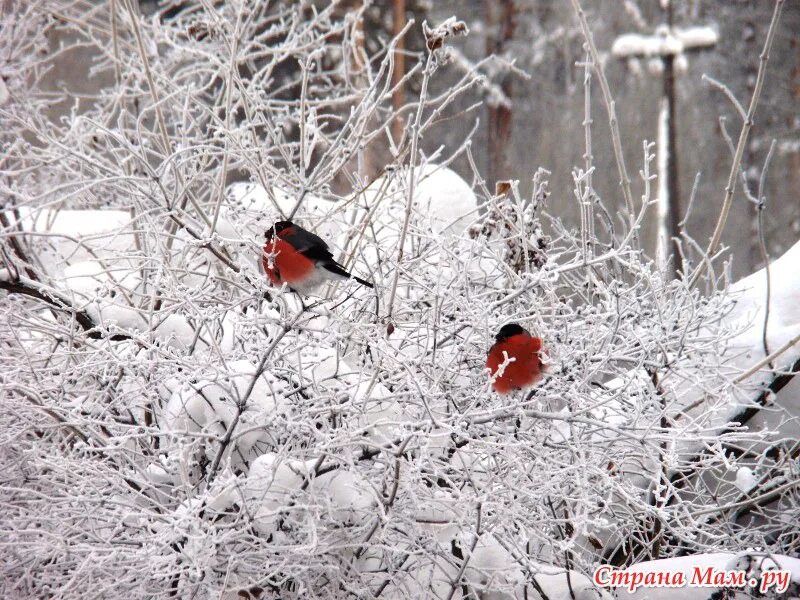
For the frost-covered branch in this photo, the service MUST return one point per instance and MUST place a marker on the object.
(176, 426)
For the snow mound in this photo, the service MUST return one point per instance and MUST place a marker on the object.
(274, 484)
(210, 405)
(494, 572)
(440, 194)
(67, 237)
(666, 41)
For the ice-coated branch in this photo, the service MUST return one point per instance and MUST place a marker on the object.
(192, 430)
(53, 299)
(744, 133)
(608, 99)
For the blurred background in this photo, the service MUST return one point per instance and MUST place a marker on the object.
(534, 100)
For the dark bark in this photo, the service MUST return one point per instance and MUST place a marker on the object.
(58, 303)
(399, 95)
(501, 20)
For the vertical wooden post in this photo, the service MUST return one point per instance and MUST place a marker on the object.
(361, 62)
(399, 95)
(673, 183)
(501, 31)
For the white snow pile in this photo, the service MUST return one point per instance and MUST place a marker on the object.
(746, 320)
(211, 404)
(66, 237)
(742, 353)
(274, 484)
(634, 44)
(442, 208)
(697, 402)
(697, 37)
(440, 196)
(493, 570)
(745, 479)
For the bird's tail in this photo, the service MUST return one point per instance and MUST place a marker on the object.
(363, 282)
(336, 268)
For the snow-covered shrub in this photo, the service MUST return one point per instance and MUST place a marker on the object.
(174, 426)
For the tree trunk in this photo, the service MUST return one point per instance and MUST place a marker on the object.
(501, 22)
(399, 95)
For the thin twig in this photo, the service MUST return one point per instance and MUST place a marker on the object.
(611, 109)
(730, 188)
(767, 359)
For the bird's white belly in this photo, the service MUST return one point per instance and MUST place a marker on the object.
(318, 277)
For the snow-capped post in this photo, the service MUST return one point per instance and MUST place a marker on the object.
(667, 48)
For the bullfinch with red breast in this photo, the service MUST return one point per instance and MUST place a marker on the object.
(300, 259)
(525, 368)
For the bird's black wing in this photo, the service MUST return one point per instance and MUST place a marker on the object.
(313, 246)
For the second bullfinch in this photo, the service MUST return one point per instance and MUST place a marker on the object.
(525, 368)
(300, 259)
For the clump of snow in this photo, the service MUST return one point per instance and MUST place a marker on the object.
(634, 44)
(440, 195)
(494, 572)
(446, 198)
(270, 483)
(743, 327)
(655, 66)
(346, 496)
(175, 332)
(276, 203)
(443, 204)
(666, 41)
(275, 483)
(65, 237)
(741, 348)
(210, 405)
(681, 63)
(745, 480)
(491, 566)
(696, 37)
(635, 66)
(89, 278)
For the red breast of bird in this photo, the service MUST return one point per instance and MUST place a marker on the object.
(283, 263)
(526, 367)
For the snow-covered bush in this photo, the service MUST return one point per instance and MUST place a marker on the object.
(173, 426)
